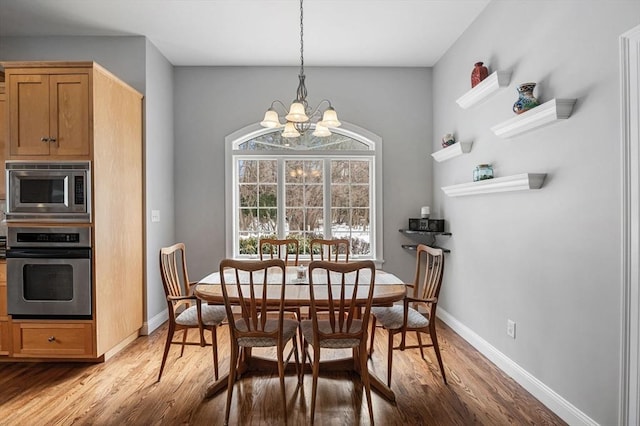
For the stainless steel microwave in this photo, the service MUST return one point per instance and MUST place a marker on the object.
(48, 191)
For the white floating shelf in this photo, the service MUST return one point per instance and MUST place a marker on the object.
(489, 85)
(521, 182)
(547, 113)
(452, 151)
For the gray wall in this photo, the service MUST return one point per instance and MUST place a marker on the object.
(548, 259)
(137, 62)
(159, 177)
(212, 102)
(122, 56)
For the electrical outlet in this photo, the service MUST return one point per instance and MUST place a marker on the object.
(511, 328)
(155, 215)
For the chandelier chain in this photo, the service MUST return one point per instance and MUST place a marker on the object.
(301, 40)
(301, 116)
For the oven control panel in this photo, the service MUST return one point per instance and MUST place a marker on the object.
(49, 237)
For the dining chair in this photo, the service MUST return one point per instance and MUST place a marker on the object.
(244, 284)
(346, 326)
(418, 310)
(333, 250)
(273, 248)
(186, 311)
(279, 249)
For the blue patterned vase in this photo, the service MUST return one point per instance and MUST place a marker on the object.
(526, 100)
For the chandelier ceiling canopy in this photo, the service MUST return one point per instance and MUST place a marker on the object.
(301, 116)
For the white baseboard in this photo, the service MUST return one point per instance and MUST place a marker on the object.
(150, 325)
(560, 406)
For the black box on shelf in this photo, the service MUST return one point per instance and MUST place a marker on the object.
(435, 225)
(418, 224)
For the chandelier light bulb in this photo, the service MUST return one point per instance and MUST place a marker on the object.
(297, 113)
(321, 131)
(290, 131)
(330, 118)
(271, 119)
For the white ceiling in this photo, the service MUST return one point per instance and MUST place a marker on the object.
(259, 32)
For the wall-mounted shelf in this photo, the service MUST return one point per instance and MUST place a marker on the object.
(414, 247)
(452, 151)
(547, 113)
(521, 182)
(418, 236)
(486, 87)
(411, 231)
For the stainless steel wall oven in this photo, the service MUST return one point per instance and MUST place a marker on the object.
(49, 272)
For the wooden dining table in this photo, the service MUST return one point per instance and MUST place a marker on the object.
(388, 289)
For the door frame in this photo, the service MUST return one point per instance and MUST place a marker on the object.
(629, 410)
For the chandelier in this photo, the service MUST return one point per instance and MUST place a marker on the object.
(301, 115)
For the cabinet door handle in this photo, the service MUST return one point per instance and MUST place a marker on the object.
(52, 339)
(52, 140)
(43, 139)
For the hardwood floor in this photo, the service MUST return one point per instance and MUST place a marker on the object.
(124, 391)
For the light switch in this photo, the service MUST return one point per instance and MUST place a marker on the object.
(155, 215)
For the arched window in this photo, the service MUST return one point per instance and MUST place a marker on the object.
(304, 188)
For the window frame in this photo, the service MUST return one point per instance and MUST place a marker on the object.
(233, 140)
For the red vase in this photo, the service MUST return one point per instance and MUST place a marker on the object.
(478, 74)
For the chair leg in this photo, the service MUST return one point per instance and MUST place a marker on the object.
(280, 356)
(420, 344)
(373, 334)
(364, 375)
(296, 355)
(214, 345)
(434, 340)
(184, 339)
(233, 365)
(305, 351)
(167, 345)
(314, 387)
(389, 358)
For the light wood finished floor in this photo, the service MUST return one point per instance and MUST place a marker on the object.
(123, 391)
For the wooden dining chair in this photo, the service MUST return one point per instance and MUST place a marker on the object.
(246, 287)
(418, 311)
(186, 311)
(331, 250)
(346, 326)
(273, 248)
(279, 249)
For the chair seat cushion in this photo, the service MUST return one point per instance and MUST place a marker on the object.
(393, 316)
(289, 328)
(325, 327)
(211, 315)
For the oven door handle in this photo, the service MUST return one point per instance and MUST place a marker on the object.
(47, 253)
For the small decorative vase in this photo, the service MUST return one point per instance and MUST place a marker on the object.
(478, 74)
(482, 172)
(526, 100)
(448, 140)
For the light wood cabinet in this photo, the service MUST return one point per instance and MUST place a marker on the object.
(49, 114)
(50, 109)
(68, 339)
(93, 116)
(5, 329)
(3, 136)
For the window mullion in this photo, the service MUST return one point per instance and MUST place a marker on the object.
(281, 201)
(326, 217)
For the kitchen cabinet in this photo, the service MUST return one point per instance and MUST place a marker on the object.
(5, 331)
(49, 111)
(94, 116)
(59, 339)
(3, 136)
